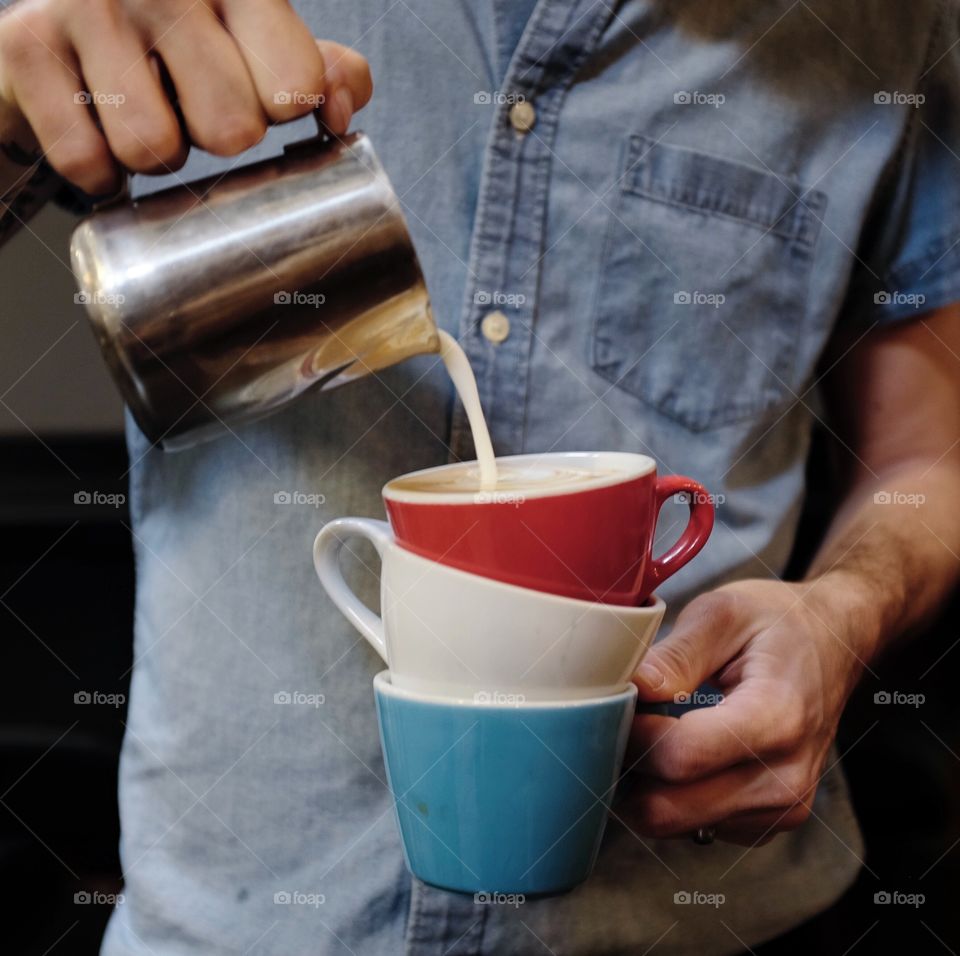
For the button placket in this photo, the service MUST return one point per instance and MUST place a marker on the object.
(506, 246)
(511, 213)
(438, 918)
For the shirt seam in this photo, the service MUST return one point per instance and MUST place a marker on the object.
(896, 169)
(936, 30)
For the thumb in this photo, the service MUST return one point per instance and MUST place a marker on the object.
(348, 84)
(709, 633)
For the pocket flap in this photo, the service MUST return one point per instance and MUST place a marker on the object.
(723, 187)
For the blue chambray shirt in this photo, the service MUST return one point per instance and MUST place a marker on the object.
(707, 190)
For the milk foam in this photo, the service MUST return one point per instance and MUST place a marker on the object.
(465, 478)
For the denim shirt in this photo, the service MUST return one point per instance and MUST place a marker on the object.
(707, 190)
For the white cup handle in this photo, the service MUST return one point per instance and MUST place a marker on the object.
(326, 560)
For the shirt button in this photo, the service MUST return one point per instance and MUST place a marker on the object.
(523, 116)
(495, 327)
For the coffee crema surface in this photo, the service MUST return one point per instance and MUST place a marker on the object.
(515, 478)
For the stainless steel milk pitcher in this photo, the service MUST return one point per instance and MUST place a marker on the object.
(223, 300)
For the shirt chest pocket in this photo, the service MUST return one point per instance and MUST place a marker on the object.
(703, 284)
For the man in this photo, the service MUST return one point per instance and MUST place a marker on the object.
(703, 212)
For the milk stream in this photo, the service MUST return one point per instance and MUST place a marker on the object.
(459, 370)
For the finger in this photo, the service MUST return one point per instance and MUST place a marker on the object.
(757, 828)
(349, 84)
(280, 54)
(647, 730)
(215, 92)
(758, 720)
(136, 116)
(709, 632)
(17, 130)
(46, 85)
(665, 810)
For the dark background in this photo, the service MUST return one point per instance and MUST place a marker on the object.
(66, 606)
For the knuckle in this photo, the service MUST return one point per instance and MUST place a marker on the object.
(681, 762)
(678, 656)
(298, 88)
(133, 153)
(291, 100)
(788, 787)
(235, 134)
(85, 164)
(25, 36)
(158, 15)
(93, 9)
(791, 723)
(656, 816)
(721, 608)
(304, 78)
(150, 147)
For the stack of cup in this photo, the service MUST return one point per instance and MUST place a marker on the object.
(511, 624)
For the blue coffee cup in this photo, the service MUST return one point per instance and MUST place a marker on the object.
(500, 795)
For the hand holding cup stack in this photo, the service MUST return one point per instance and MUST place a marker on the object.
(517, 601)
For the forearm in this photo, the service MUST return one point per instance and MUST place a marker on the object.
(895, 546)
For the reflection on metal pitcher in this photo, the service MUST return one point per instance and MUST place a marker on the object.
(223, 300)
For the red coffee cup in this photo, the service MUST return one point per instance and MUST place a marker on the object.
(586, 531)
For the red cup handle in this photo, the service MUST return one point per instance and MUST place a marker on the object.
(694, 536)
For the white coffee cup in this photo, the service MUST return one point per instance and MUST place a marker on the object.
(448, 632)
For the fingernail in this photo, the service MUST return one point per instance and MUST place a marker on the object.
(343, 108)
(652, 676)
